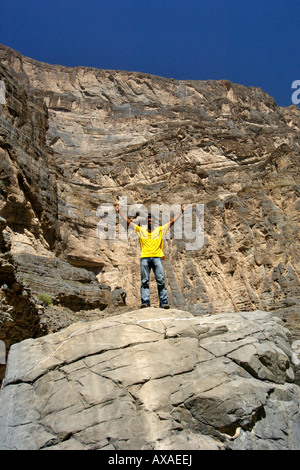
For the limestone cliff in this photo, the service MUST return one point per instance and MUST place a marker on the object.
(72, 139)
(30, 234)
(156, 140)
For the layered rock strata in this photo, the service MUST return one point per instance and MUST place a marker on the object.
(163, 141)
(74, 139)
(31, 258)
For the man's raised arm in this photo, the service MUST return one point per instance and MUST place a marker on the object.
(124, 217)
(177, 215)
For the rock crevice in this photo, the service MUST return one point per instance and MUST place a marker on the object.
(112, 384)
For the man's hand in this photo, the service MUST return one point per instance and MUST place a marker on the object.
(125, 218)
(183, 207)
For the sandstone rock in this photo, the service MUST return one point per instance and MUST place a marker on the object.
(72, 139)
(19, 314)
(66, 285)
(35, 290)
(151, 379)
(164, 141)
(31, 259)
(28, 196)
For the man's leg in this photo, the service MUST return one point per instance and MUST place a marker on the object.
(160, 279)
(145, 276)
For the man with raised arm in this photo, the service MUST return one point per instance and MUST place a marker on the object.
(151, 242)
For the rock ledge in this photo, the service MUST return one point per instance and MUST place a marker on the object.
(151, 379)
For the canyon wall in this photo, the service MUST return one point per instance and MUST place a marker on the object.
(76, 139)
(113, 134)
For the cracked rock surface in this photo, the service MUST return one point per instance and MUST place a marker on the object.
(151, 379)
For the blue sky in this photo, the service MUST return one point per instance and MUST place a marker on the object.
(252, 42)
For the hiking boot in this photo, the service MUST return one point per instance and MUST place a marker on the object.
(165, 306)
(145, 306)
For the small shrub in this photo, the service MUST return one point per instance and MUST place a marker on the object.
(46, 299)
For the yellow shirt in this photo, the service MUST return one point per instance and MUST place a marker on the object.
(152, 243)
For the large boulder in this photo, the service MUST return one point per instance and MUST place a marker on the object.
(151, 379)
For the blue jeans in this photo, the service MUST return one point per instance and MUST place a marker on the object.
(157, 266)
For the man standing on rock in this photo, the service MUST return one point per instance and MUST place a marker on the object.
(151, 242)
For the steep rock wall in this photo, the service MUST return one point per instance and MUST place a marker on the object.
(30, 239)
(73, 139)
(163, 141)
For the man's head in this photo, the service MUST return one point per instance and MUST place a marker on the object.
(150, 221)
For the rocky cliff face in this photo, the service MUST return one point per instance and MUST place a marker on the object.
(72, 139)
(31, 258)
(155, 140)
